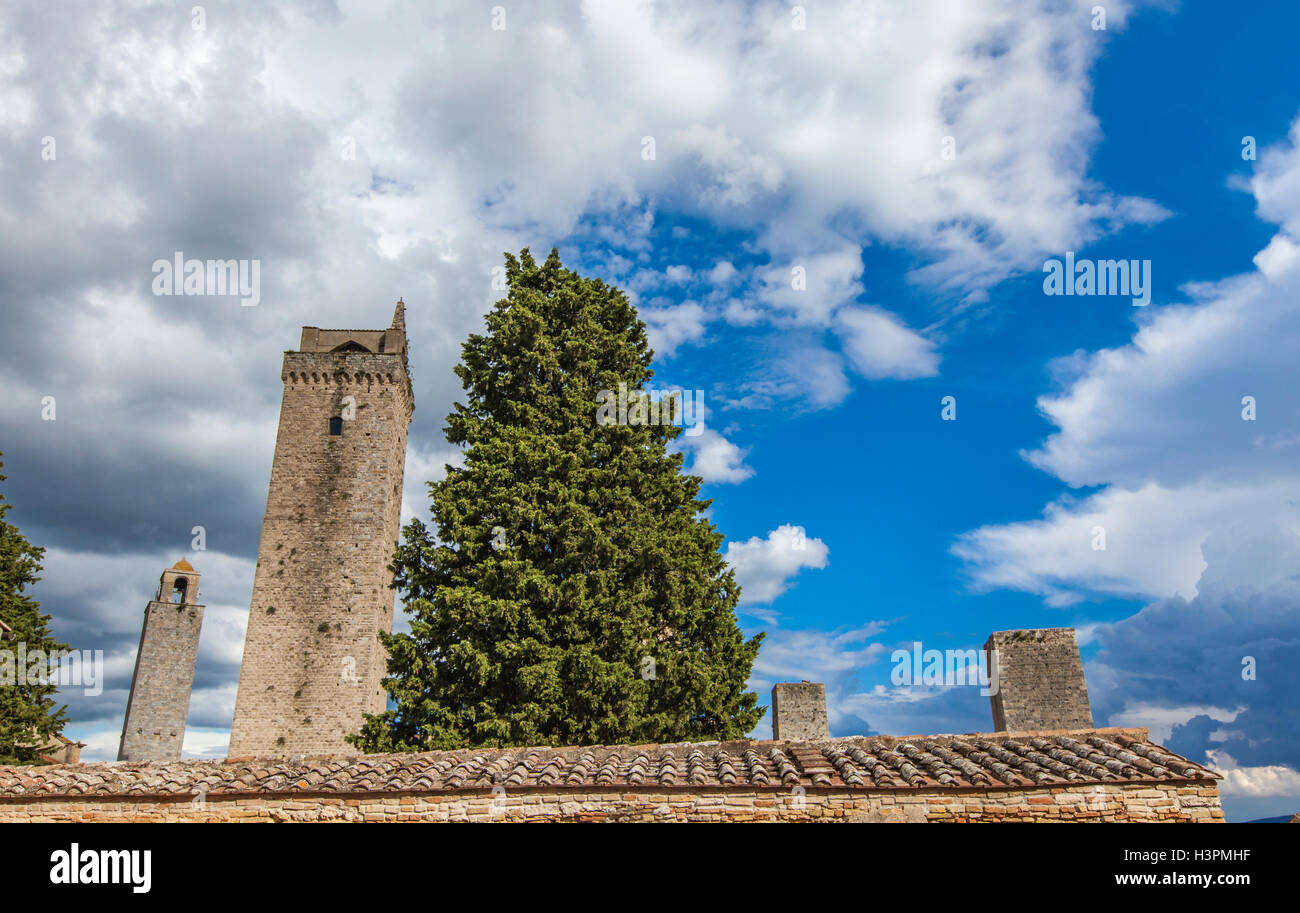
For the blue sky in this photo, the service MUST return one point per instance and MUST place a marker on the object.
(775, 148)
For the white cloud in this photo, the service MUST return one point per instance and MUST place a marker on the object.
(1153, 539)
(100, 744)
(808, 290)
(670, 327)
(1276, 183)
(722, 273)
(765, 568)
(1168, 405)
(879, 346)
(917, 710)
(1265, 780)
(207, 743)
(832, 658)
(788, 130)
(1215, 672)
(800, 372)
(714, 458)
(817, 656)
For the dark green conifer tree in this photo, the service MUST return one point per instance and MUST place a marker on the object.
(28, 717)
(573, 593)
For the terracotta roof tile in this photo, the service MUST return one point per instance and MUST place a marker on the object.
(978, 760)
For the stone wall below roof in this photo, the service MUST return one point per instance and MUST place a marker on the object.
(1132, 802)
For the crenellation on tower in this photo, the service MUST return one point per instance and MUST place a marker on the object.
(313, 664)
(158, 708)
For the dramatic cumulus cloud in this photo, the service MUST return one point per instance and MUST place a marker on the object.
(1192, 427)
(1193, 431)
(362, 152)
(1217, 671)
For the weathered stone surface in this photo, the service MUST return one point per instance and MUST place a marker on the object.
(322, 589)
(159, 705)
(799, 711)
(1112, 802)
(1040, 682)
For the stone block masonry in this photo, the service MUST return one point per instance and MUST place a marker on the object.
(1040, 682)
(313, 664)
(799, 711)
(1114, 803)
(158, 708)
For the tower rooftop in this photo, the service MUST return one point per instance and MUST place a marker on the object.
(391, 341)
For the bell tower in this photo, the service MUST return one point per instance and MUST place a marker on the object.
(313, 665)
(159, 705)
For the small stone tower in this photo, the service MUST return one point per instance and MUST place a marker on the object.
(322, 589)
(1040, 683)
(799, 711)
(154, 729)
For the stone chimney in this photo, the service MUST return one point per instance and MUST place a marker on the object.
(1040, 682)
(799, 711)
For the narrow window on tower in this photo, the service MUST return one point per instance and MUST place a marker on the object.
(336, 426)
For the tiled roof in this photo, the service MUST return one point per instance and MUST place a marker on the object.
(996, 760)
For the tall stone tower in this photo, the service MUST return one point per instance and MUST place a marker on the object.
(154, 729)
(1040, 683)
(312, 662)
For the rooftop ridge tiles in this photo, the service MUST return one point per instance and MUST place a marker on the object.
(1136, 733)
(995, 760)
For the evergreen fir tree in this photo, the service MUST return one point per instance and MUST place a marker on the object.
(28, 718)
(573, 593)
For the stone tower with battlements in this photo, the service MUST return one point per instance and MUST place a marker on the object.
(313, 664)
(154, 728)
